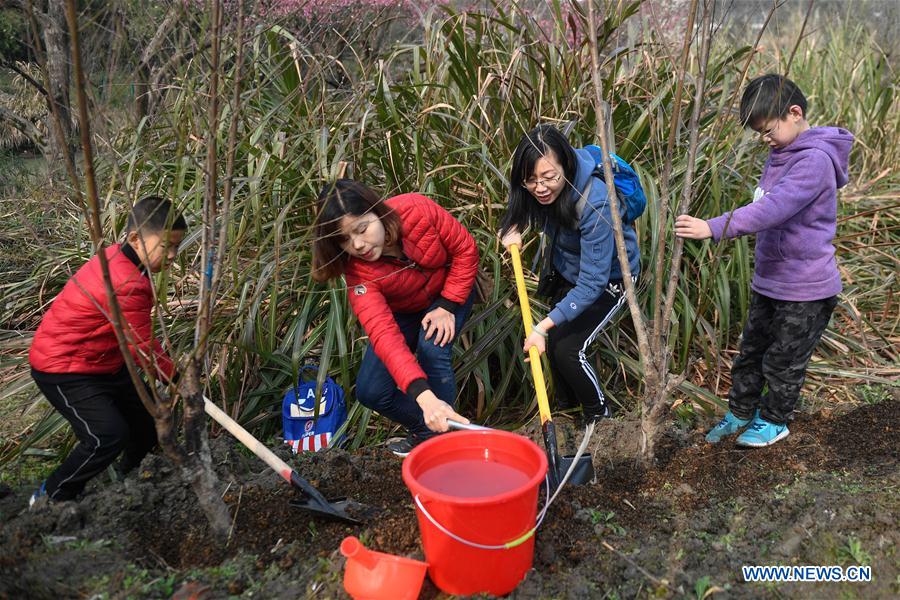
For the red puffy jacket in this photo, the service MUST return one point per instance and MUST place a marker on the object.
(444, 262)
(76, 333)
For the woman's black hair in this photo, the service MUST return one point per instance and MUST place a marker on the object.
(345, 197)
(524, 210)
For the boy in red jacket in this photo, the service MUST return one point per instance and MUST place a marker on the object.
(75, 358)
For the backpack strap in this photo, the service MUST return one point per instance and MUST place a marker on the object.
(583, 198)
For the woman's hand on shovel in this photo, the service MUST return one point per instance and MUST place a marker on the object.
(436, 412)
(538, 337)
(536, 340)
(512, 238)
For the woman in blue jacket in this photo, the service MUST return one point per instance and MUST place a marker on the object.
(581, 273)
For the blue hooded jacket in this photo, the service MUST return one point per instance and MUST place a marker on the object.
(587, 257)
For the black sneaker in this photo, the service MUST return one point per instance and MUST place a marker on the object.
(594, 415)
(403, 446)
(400, 446)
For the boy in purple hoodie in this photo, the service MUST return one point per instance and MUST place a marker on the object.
(796, 280)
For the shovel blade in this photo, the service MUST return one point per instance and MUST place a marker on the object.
(333, 511)
(582, 474)
(312, 501)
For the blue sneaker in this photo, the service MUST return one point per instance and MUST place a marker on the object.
(37, 495)
(729, 425)
(761, 433)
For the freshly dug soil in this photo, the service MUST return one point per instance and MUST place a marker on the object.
(826, 495)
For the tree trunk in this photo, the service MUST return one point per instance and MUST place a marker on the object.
(655, 407)
(650, 424)
(199, 472)
(195, 460)
(56, 46)
(141, 92)
(196, 469)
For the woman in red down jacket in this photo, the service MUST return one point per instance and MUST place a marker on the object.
(410, 269)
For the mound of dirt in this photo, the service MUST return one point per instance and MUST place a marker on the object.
(825, 495)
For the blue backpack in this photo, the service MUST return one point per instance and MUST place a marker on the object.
(302, 429)
(627, 182)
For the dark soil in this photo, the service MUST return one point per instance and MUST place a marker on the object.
(826, 495)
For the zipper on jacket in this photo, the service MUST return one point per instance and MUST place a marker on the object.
(405, 262)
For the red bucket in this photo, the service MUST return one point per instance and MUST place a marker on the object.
(476, 498)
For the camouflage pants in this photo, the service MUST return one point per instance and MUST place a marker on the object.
(778, 341)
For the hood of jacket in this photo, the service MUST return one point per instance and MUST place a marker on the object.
(833, 141)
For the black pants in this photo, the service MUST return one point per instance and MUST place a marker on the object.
(778, 341)
(574, 378)
(107, 417)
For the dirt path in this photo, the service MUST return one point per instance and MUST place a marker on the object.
(827, 495)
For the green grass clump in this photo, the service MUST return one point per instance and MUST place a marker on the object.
(441, 115)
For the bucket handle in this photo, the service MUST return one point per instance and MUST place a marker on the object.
(508, 545)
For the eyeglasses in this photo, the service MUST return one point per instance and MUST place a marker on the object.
(770, 131)
(533, 183)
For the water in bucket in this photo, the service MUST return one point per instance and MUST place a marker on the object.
(476, 498)
(473, 478)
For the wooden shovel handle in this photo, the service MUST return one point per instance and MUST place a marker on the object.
(244, 437)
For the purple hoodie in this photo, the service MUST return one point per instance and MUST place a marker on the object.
(794, 214)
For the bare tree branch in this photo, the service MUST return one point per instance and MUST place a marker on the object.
(195, 431)
(621, 251)
(687, 190)
(740, 84)
(194, 460)
(230, 158)
(24, 125)
(787, 68)
(93, 203)
(12, 66)
(706, 298)
(210, 196)
(60, 120)
(663, 211)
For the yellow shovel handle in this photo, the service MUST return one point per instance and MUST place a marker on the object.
(537, 373)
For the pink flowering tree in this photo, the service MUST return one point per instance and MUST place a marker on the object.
(342, 10)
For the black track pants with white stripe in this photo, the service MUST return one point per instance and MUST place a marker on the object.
(107, 417)
(568, 347)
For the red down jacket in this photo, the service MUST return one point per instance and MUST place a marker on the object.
(76, 335)
(444, 264)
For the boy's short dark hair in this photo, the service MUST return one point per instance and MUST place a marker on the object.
(153, 214)
(769, 97)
